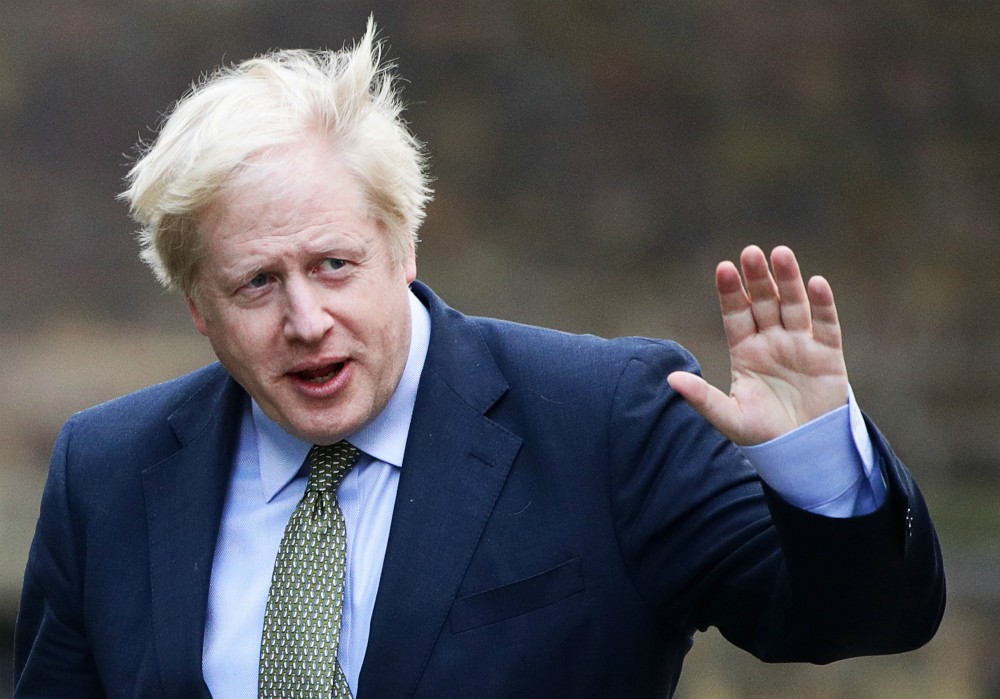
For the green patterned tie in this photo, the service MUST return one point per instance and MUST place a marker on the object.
(298, 651)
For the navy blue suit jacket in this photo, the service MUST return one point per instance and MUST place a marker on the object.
(564, 524)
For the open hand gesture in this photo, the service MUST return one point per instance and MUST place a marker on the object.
(784, 347)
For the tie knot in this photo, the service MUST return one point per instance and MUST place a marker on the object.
(329, 464)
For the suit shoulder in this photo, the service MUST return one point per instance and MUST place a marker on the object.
(561, 346)
(150, 406)
(554, 353)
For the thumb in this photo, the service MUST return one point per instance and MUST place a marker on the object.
(711, 403)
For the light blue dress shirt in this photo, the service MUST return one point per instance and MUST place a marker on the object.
(269, 479)
(827, 466)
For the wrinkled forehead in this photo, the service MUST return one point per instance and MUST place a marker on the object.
(282, 181)
(297, 173)
(291, 190)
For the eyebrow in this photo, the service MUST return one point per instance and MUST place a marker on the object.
(327, 246)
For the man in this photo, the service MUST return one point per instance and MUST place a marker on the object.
(524, 512)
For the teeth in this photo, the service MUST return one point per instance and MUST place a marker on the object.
(320, 374)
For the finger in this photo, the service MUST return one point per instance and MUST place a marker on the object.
(762, 290)
(737, 318)
(711, 403)
(794, 303)
(826, 324)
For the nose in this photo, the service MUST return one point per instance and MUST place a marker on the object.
(306, 318)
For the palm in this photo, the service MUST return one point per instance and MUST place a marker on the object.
(784, 346)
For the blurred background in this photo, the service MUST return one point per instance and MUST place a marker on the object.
(594, 159)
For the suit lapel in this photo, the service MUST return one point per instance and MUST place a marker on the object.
(455, 465)
(184, 495)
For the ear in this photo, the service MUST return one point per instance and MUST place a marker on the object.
(409, 262)
(196, 315)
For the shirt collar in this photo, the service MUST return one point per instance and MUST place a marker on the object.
(281, 455)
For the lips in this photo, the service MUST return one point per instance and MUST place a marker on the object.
(320, 375)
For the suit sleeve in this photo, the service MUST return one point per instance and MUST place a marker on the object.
(51, 654)
(708, 545)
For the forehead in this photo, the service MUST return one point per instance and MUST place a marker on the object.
(297, 192)
(286, 204)
(296, 178)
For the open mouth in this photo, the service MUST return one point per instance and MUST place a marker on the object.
(321, 374)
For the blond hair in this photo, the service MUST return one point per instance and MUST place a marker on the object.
(276, 99)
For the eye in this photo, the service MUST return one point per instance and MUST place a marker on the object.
(334, 263)
(257, 282)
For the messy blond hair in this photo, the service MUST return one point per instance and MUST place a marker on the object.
(276, 99)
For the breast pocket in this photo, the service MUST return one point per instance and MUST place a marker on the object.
(516, 598)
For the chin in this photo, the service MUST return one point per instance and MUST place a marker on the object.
(320, 431)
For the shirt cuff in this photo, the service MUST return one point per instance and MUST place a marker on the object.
(827, 466)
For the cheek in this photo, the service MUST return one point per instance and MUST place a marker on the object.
(241, 337)
(396, 336)
(385, 338)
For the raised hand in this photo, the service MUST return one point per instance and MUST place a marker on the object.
(784, 348)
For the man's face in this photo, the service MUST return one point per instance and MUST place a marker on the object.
(300, 294)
